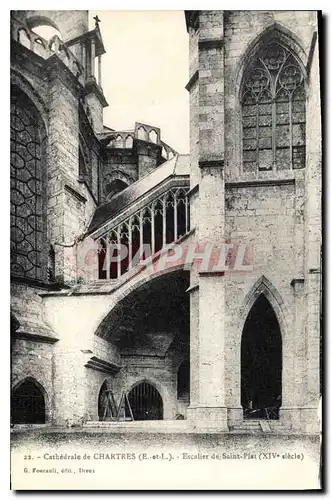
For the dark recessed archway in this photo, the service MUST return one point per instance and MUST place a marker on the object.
(28, 404)
(115, 187)
(146, 402)
(183, 380)
(103, 402)
(261, 362)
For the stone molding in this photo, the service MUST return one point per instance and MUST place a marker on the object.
(261, 182)
(34, 337)
(192, 81)
(102, 366)
(217, 163)
(193, 191)
(75, 193)
(207, 43)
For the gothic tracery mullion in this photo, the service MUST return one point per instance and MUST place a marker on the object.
(273, 78)
(153, 246)
(290, 131)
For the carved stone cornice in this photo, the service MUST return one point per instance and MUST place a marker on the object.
(87, 37)
(102, 366)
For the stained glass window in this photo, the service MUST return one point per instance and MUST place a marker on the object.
(26, 203)
(273, 111)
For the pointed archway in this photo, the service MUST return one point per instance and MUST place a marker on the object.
(261, 362)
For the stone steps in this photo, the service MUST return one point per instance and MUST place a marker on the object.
(260, 426)
(143, 426)
(169, 426)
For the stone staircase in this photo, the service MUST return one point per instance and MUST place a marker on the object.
(152, 426)
(184, 426)
(259, 427)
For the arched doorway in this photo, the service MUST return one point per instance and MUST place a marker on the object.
(261, 362)
(103, 405)
(146, 402)
(28, 404)
(183, 380)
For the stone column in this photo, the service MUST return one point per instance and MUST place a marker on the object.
(207, 399)
(313, 242)
(62, 168)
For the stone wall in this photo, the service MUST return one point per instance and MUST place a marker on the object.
(276, 214)
(31, 359)
(156, 371)
(272, 212)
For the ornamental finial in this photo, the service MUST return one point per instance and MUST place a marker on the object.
(97, 21)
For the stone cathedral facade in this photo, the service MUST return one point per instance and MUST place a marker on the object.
(101, 339)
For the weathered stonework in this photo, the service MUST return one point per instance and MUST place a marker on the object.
(57, 340)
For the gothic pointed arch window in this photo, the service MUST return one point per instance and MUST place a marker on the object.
(273, 111)
(27, 177)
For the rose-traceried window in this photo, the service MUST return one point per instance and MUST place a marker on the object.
(273, 111)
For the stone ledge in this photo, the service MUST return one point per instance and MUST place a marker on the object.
(192, 81)
(213, 163)
(102, 366)
(33, 337)
(207, 44)
(260, 182)
(75, 193)
(211, 273)
(192, 288)
(192, 191)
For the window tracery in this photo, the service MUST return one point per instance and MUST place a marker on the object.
(273, 111)
(27, 225)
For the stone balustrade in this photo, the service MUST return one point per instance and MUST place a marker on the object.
(161, 222)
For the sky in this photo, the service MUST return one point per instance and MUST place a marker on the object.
(145, 70)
